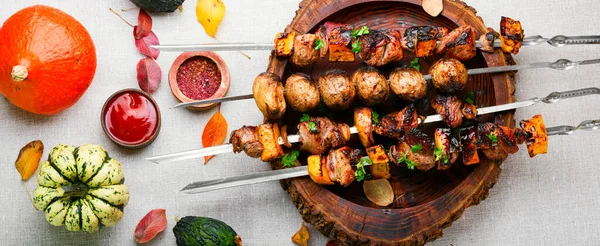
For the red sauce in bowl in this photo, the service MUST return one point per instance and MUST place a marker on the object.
(131, 118)
(198, 77)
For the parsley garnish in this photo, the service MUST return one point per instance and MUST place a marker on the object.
(289, 159)
(319, 44)
(375, 117)
(312, 127)
(415, 64)
(305, 117)
(360, 174)
(493, 137)
(359, 32)
(439, 155)
(356, 46)
(409, 163)
(417, 148)
(470, 97)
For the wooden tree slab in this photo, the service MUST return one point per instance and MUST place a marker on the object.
(426, 202)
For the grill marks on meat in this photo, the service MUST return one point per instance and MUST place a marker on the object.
(340, 44)
(338, 163)
(381, 47)
(487, 40)
(422, 40)
(449, 147)
(246, 139)
(458, 44)
(496, 142)
(326, 135)
(424, 159)
(511, 35)
(449, 107)
(394, 125)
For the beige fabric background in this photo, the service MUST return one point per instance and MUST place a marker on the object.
(549, 200)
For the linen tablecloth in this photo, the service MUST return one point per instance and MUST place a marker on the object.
(551, 199)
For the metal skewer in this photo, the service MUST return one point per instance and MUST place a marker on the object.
(561, 64)
(217, 184)
(556, 41)
(228, 148)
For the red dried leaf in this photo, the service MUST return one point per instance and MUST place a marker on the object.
(214, 132)
(144, 26)
(154, 222)
(143, 45)
(148, 75)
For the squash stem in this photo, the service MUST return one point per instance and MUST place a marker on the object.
(75, 190)
(19, 73)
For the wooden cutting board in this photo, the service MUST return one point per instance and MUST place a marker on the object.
(426, 202)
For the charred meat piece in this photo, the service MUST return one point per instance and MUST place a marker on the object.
(338, 163)
(496, 142)
(522, 135)
(363, 121)
(268, 136)
(320, 134)
(371, 86)
(449, 107)
(511, 35)
(469, 111)
(301, 92)
(468, 139)
(408, 84)
(381, 47)
(423, 159)
(447, 148)
(537, 140)
(340, 44)
(393, 47)
(487, 40)
(458, 44)
(246, 139)
(395, 125)
(337, 91)
(304, 50)
(284, 43)
(381, 163)
(268, 95)
(449, 75)
(422, 40)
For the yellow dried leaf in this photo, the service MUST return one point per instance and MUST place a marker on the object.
(379, 192)
(301, 237)
(29, 159)
(433, 7)
(209, 14)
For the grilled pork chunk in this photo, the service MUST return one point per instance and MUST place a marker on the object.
(338, 163)
(395, 125)
(246, 139)
(449, 107)
(423, 159)
(422, 40)
(381, 47)
(458, 44)
(496, 142)
(304, 50)
(511, 35)
(340, 44)
(320, 134)
(468, 139)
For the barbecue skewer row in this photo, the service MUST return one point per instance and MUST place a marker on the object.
(340, 42)
(419, 151)
(227, 148)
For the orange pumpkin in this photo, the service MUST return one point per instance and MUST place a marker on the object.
(47, 60)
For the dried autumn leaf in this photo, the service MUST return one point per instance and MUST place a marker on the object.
(148, 75)
(301, 237)
(332, 243)
(144, 26)
(433, 7)
(154, 222)
(379, 191)
(29, 159)
(143, 45)
(209, 14)
(214, 132)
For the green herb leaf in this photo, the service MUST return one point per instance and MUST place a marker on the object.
(360, 174)
(312, 126)
(289, 159)
(415, 64)
(359, 32)
(439, 155)
(470, 97)
(319, 44)
(417, 148)
(493, 137)
(375, 117)
(356, 46)
(304, 118)
(409, 163)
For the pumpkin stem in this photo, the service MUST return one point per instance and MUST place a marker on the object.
(19, 73)
(76, 190)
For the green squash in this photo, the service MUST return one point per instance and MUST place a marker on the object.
(192, 230)
(81, 188)
(158, 5)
